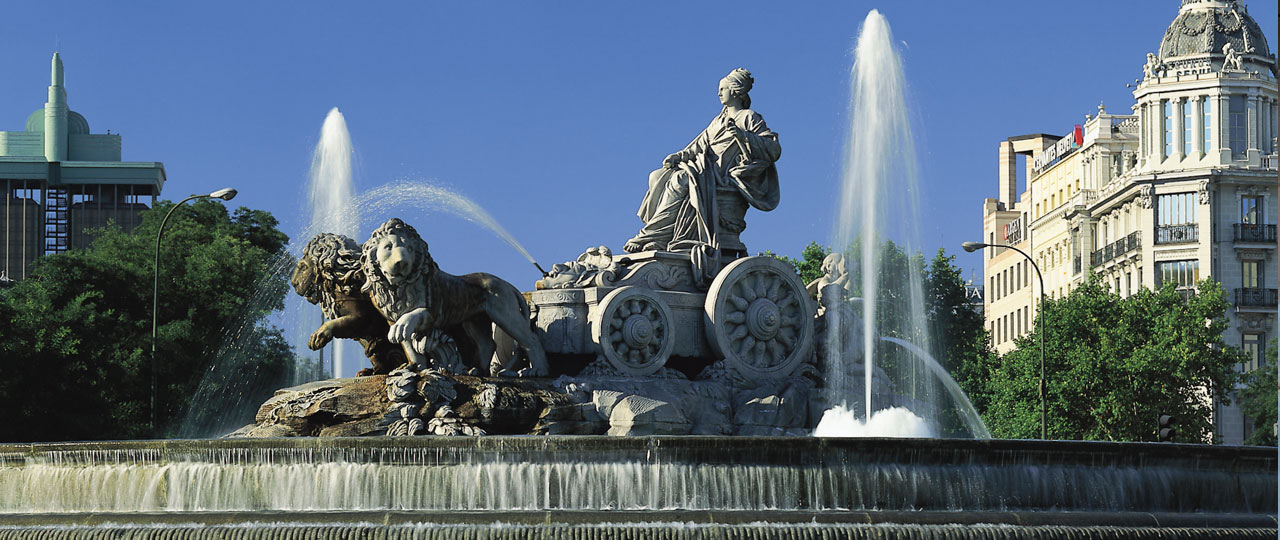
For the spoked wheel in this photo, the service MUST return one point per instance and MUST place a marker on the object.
(759, 317)
(633, 329)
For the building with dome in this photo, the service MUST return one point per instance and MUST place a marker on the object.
(60, 179)
(1183, 188)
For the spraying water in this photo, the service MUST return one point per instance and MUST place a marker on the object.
(331, 197)
(422, 195)
(879, 194)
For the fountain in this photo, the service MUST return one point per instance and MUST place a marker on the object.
(331, 196)
(654, 355)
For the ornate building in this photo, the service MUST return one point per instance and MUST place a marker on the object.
(59, 179)
(1182, 189)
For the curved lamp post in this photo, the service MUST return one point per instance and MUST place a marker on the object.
(974, 246)
(225, 194)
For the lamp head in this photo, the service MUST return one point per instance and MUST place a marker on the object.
(972, 246)
(225, 194)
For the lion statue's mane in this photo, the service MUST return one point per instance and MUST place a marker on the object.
(394, 301)
(333, 261)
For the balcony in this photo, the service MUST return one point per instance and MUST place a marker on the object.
(1251, 232)
(1255, 297)
(1177, 234)
(1116, 249)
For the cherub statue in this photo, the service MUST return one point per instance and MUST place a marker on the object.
(835, 285)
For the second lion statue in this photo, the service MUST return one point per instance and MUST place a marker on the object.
(416, 297)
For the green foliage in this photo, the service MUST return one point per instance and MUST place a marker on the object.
(77, 344)
(809, 265)
(959, 337)
(1258, 398)
(1114, 365)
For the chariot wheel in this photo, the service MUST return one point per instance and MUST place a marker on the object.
(633, 329)
(759, 318)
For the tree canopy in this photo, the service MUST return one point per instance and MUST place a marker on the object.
(1113, 365)
(77, 344)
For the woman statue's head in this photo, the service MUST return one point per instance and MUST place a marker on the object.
(738, 83)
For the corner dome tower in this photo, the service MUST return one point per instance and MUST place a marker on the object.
(1204, 27)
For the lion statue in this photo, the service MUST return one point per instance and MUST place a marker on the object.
(328, 274)
(417, 298)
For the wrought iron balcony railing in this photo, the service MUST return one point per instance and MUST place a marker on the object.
(1254, 232)
(1255, 297)
(1177, 234)
(1117, 249)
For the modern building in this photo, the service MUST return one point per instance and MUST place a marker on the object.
(1183, 189)
(59, 180)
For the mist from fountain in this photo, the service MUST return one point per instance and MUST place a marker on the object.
(878, 189)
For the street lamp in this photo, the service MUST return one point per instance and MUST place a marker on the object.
(225, 194)
(1044, 416)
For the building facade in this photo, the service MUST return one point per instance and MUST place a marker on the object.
(1183, 189)
(59, 180)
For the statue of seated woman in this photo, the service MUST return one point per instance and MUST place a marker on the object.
(692, 200)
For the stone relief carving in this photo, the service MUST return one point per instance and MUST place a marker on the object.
(1204, 192)
(1144, 196)
(596, 264)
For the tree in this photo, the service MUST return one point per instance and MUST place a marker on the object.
(809, 265)
(1114, 365)
(77, 345)
(960, 340)
(1258, 398)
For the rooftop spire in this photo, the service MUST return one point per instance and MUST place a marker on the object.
(56, 72)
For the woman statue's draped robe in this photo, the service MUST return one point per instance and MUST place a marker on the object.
(679, 210)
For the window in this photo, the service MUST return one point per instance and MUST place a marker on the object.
(1237, 126)
(1168, 128)
(1249, 274)
(1188, 127)
(1208, 125)
(1177, 209)
(1252, 346)
(1183, 273)
(1128, 283)
(1251, 209)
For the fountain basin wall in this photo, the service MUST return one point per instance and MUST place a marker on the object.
(579, 473)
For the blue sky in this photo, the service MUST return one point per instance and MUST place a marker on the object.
(551, 114)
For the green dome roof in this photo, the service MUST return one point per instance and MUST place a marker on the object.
(75, 122)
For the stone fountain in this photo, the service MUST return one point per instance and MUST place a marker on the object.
(665, 390)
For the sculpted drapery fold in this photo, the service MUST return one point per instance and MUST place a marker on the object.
(733, 157)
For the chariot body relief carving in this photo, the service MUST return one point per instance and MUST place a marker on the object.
(734, 156)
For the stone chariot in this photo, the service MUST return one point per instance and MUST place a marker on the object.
(645, 309)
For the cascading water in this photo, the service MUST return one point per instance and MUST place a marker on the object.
(879, 186)
(332, 208)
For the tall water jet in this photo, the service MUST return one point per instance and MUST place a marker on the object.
(879, 184)
(333, 209)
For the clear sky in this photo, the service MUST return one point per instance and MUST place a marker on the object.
(551, 114)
